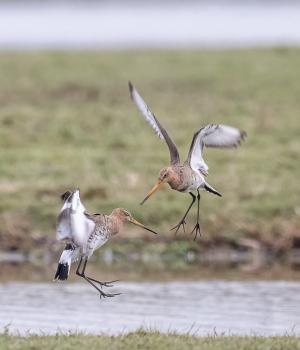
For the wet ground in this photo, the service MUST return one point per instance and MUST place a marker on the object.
(248, 307)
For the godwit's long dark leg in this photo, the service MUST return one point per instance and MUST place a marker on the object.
(89, 280)
(197, 227)
(104, 284)
(78, 267)
(182, 221)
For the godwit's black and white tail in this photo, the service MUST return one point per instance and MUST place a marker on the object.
(69, 254)
(210, 189)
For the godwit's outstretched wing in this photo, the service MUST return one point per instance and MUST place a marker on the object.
(212, 135)
(63, 226)
(152, 120)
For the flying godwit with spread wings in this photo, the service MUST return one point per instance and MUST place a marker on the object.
(188, 177)
(84, 233)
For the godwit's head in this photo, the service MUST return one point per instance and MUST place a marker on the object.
(166, 175)
(124, 215)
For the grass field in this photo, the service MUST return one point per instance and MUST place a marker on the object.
(145, 341)
(66, 120)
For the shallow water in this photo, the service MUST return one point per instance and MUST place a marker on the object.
(131, 24)
(262, 307)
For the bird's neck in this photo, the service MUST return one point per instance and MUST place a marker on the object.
(115, 224)
(175, 180)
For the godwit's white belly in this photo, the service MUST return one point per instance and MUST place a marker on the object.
(196, 182)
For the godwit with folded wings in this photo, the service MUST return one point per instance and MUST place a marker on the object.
(189, 176)
(84, 233)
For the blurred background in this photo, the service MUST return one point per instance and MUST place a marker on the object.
(66, 120)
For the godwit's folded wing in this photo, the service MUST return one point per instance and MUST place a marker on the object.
(212, 135)
(98, 231)
(152, 120)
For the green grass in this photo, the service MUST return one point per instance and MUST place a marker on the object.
(66, 120)
(152, 340)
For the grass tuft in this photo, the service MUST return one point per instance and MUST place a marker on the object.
(148, 340)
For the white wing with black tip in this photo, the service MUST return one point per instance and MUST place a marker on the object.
(63, 226)
(212, 135)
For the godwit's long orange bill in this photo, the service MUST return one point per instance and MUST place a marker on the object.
(153, 189)
(135, 222)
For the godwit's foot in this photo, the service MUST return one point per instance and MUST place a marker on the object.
(102, 294)
(108, 295)
(177, 227)
(197, 230)
(92, 282)
(103, 284)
